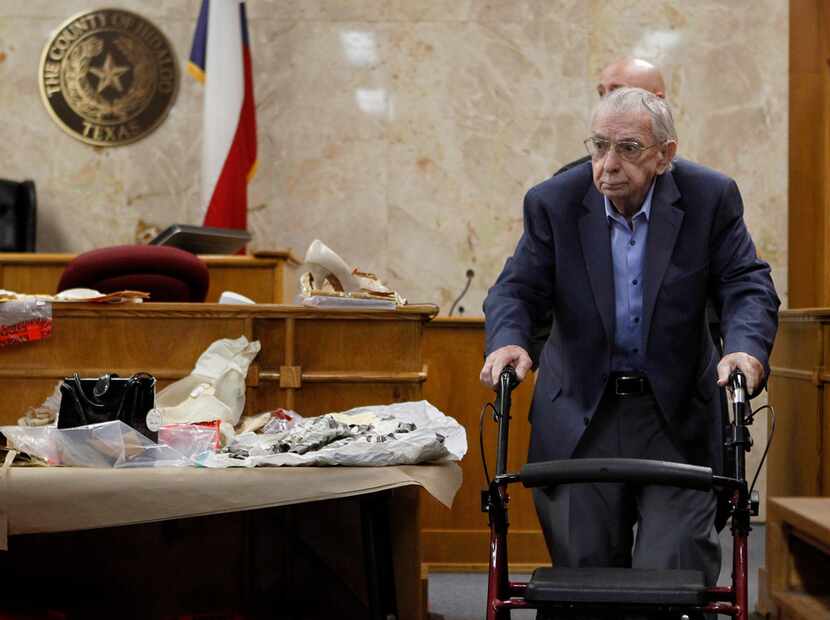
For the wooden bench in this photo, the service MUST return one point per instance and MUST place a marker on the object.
(797, 559)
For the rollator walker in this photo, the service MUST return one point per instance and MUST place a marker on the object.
(613, 592)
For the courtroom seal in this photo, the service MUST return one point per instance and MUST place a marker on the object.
(108, 77)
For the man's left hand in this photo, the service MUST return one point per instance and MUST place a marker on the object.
(753, 370)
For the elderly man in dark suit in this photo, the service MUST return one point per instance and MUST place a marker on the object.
(626, 252)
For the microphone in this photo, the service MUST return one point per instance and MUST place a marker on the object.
(470, 273)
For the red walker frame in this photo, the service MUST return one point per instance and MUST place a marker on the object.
(504, 595)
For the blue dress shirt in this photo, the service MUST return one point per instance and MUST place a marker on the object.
(628, 249)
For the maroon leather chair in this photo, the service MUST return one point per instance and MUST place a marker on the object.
(168, 274)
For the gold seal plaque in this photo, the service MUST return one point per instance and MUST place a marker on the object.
(108, 77)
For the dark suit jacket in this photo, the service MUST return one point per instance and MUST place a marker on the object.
(541, 333)
(698, 249)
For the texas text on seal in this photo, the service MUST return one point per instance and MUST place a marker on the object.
(108, 77)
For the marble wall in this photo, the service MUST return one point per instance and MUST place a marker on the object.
(404, 133)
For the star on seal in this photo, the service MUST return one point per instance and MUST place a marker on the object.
(109, 74)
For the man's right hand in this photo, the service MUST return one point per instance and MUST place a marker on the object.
(511, 354)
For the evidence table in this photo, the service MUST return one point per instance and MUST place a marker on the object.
(313, 361)
(358, 524)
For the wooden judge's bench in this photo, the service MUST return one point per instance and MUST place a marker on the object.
(314, 361)
(311, 360)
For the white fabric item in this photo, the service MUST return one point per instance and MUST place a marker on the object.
(224, 91)
(201, 405)
(215, 390)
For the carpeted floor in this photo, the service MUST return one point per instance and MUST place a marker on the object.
(461, 596)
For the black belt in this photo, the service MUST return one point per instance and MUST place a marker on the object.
(623, 385)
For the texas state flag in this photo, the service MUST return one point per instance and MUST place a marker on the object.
(221, 60)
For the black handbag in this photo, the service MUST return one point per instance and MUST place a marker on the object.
(108, 398)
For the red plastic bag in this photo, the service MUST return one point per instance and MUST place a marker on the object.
(25, 320)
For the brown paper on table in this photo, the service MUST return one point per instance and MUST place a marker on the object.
(116, 297)
(62, 499)
(104, 298)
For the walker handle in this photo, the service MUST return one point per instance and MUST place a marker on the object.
(508, 380)
(634, 471)
(737, 382)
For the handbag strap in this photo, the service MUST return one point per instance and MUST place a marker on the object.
(81, 398)
(78, 394)
(79, 390)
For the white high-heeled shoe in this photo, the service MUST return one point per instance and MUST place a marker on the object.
(325, 265)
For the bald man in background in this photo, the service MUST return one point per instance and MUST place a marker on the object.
(634, 72)
(631, 72)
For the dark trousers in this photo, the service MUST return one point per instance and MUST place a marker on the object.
(593, 524)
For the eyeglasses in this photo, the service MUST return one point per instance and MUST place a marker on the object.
(629, 150)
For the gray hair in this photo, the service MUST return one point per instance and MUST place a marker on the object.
(625, 100)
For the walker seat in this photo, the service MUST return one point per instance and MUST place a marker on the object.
(627, 586)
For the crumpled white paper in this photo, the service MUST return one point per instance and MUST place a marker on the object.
(436, 437)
